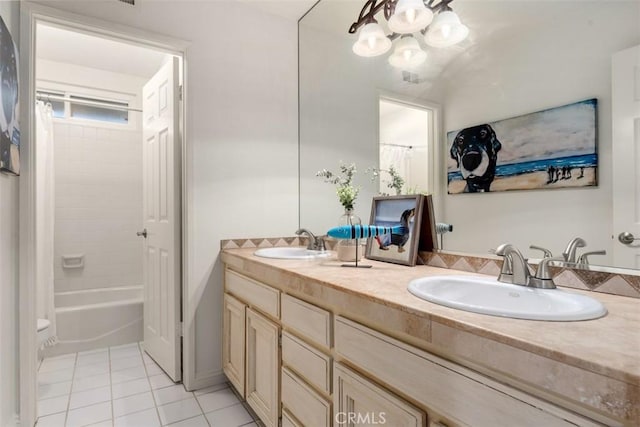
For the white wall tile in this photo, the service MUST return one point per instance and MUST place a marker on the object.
(98, 193)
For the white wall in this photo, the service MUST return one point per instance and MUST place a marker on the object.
(242, 131)
(10, 11)
(496, 80)
(98, 182)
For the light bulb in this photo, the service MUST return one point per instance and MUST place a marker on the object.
(446, 31)
(371, 41)
(411, 15)
(407, 54)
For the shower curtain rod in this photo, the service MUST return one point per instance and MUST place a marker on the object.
(43, 97)
(408, 147)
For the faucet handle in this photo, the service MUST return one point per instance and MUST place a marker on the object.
(543, 278)
(583, 260)
(320, 243)
(547, 252)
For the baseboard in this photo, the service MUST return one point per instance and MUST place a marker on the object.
(208, 379)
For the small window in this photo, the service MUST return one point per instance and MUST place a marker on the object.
(104, 111)
(57, 106)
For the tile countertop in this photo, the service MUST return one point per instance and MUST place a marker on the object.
(605, 351)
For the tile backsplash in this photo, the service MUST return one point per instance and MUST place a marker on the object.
(597, 281)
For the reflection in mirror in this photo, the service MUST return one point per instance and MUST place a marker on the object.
(520, 57)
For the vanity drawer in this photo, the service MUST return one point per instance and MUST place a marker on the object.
(355, 396)
(468, 397)
(304, 404)
(254, 293)
(289, 420)
(307, 320)
(310, 363)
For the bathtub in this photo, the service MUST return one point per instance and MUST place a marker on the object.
(97, 318)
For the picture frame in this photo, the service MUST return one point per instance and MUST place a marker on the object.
(393, 211)
(9, 107)
(544, 150)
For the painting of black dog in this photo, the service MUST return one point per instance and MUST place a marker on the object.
(547, 149)
(475, 151)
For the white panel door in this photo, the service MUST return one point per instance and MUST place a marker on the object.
(161, 210)
(625, 111)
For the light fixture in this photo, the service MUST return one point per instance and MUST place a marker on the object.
(409, 16)
(406, 17)
(407, 54)
(372, 41)
(445, 30)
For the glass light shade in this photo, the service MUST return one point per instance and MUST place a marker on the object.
(371, 41)
(407, 54)
(446, 30)
(410, 16)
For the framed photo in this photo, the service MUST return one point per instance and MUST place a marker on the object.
(405, 213)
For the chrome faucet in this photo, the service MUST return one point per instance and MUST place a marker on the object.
(543, 278)
(315, 243)
(569, 254)
(514, 268)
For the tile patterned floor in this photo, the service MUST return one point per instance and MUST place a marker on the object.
(123, 387)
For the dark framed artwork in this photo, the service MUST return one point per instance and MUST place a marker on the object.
(554, 148)
(405, 213)
(9, 103)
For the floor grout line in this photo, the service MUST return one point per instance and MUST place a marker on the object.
(76, 358)
(153, 396)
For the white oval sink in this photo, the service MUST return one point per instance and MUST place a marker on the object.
(291, 253)
(488, 296)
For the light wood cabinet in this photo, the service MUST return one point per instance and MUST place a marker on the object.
(263, 367)
(359, 402)
(300, 364)
(306, 405)
(458, 393)
(233, 341)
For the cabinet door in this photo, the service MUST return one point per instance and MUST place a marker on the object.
(359, 402)
(233, 324)
(263, 368)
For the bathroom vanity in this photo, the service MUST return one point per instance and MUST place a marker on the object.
(308, 343)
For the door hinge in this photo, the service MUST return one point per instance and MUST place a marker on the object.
(180, 92)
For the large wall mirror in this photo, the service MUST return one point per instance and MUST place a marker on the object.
(520, 57)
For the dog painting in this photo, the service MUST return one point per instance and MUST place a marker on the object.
(475, 151)
(405, 213)
(9, 107)
(553, 148)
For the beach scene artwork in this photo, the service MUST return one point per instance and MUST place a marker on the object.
(554, 148)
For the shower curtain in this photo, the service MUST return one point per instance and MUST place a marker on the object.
(45, 209)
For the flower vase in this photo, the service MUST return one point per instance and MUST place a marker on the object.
(346, 248)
